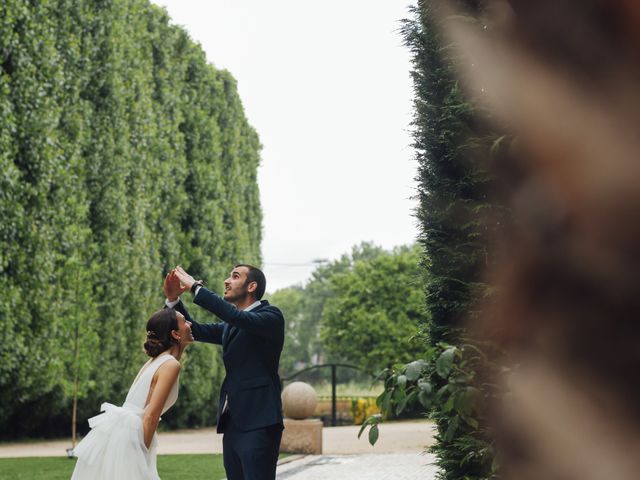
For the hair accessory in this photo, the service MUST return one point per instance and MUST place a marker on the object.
(151, 333)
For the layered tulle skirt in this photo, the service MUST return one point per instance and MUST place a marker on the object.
(114, 449)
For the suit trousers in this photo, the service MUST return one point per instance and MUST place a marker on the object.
(249, 455)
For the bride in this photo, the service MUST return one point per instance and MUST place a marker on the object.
(122, 441)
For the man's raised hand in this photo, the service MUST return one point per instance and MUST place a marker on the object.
(186, 280)
(172, 287)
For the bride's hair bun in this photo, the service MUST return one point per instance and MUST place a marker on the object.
(153, 348)
(159, 328)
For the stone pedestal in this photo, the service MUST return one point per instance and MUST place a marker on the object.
(302, 436)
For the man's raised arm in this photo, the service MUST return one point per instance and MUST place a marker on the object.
(202, 332)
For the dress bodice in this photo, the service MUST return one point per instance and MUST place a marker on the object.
(139, 390)
(115, 447)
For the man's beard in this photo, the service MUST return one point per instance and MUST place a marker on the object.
(233, 297)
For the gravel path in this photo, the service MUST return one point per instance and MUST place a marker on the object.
(382, 466)
(395, 437)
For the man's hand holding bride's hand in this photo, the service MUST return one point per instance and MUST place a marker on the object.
(172, 287)
(185, 279)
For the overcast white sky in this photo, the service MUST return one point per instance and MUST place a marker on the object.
(326, 85)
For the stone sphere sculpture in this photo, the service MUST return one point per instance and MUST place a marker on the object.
(299, 400)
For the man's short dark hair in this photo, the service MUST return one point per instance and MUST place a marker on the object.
(255, 275)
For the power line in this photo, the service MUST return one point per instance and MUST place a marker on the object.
(312, 263)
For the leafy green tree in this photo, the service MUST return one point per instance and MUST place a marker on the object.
(303, 307)
(376, 308)
(314, 310)
(319, 290)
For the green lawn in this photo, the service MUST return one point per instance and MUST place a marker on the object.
(193, 467)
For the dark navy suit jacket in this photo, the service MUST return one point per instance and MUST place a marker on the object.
(251, 345)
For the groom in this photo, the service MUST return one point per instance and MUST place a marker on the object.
(252, 335)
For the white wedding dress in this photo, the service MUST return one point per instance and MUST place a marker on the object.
(114, 449)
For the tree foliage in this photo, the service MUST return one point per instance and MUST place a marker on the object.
(363, 308)
(376, 309)
(458, 213)
(122, 153)
(299, 333)
(303, 307)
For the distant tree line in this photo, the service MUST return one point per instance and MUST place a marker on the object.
(122, 153)
(365, 308)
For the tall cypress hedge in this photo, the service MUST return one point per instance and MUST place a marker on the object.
(458, 212)
(122, 153)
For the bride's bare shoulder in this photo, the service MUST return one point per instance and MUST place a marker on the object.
(170, 366)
